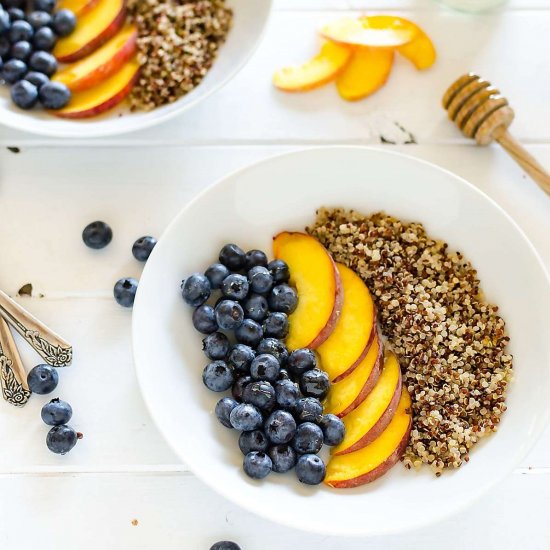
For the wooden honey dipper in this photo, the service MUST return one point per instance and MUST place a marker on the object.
(482, 113)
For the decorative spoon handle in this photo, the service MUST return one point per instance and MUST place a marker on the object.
(50, 346)
(13, 378)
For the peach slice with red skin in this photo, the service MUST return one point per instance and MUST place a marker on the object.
(374, 460)
(78, 7)
(317, 281)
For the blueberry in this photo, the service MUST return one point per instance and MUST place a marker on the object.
(274, 347)
(284, 375)
(287, 394)
(239, 386)
(240, 357)
(232, 257)
(38, 79)
(255, 440)
(195, 289)
(16, 14)
(223, 409)
(279, 271)
(61, 439)
(249, 333)
(21, 50)
(308, 438)
(64, 22)
(280, 427)
(5, 22)
(254, 258)
(308, 409)
(53, 95)
(125, 291)
(13, 70)
(265, 367)
(56, 412)
(333, 429)
(283, 458)
(225, 545)
(276, 325)
(24, 94)
(44, 39)
(216, 346)
(44, 5)
(218, 376)
(44, 62)
(235, 287)
(42, 379)
(96, 234)
(260, 394)
(39, 19)
(204, 319)
(260, 279)
(216, 273)
(5, 45)
(20, 30)
(246, 417)
(143, 247)
(301, 360)
(314, 383)
(21, 4)
(255, 307)
(283, 298)
(310, 469)
(229, 314)
(257, 465)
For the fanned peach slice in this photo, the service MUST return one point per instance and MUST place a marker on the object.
(316, 72)
(104, 96)
(349, 343)
(367, 71)
(320, 295)
(78, 7)
(349, 393)
(101, 64)
(381, 31)
(374, 460)
(372, 416)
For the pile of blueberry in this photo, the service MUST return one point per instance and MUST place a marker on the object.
(43, 379)
(276, 395)
(28, 33)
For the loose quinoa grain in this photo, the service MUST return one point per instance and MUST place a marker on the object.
(451, 343)
(178, 41)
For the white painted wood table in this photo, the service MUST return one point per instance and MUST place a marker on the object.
(122, 487)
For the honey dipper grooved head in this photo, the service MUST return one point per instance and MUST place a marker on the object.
(477, 108)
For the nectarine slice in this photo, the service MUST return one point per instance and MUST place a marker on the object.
(78, 7)
(374, 460)
(371, 417)
(104, 96)
(316, 72)
(317, 281)
(92, 30)
(348, 344)
(101, 64)
(346, 395)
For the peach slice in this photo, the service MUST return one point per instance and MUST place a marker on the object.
(317, 280)
(372, 416)
(316, 72)
(420, 51)
(92, 30)
(381, 31)
(78, 7)
(101, 64)
(349, 393)
(374, 460)
(104, 96)
(349, 343)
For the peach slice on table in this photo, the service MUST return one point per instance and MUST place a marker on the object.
(349, 343)
(316, 72)
(317, 280)
(346, 395)
(365, 423)
(374, 460)
(104, 96)
(102, 63)
(92, 30)
(78, 7)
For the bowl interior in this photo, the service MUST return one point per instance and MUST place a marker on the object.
(282, 193)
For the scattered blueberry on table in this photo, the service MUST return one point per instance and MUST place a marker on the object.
(61, 439)
(225, 545)
(97, 234)
(56, 412)
(125, 291)
(42, 379)
(143, 247)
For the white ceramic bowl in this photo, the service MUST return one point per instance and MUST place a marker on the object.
(250, 20)
(249, 207)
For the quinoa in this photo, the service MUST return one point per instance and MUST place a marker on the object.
(451, 343)
(178, 41)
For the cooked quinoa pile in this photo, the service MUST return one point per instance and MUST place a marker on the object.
(451, 343)
(178, 41)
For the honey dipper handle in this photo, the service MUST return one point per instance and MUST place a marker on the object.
(525, 160)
